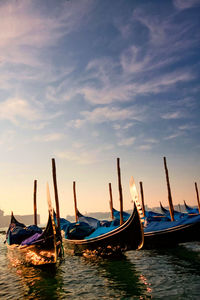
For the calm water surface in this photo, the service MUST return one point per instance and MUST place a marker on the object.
(144, 274)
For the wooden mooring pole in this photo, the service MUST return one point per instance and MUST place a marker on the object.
(75, 202)
(171, 208)
(111, 201)
(35, 202)
(197, 192)
(56, 192)
(142, 198)
(120, 191)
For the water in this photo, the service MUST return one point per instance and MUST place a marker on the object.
(144, 274)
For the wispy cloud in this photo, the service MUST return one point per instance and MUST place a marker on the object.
(28, 30)
(172, 115)
(16, 108)
(51, 137)
(85, 156)
(151, 141)
(22, 112)
(173, 136)
(127, 142)
(187, 127)
(108, 114)
(145, 147)
(184, 4)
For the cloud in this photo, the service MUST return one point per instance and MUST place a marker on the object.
(84, 156)
(51, 137)
(187, 127)
(15, 108)
(109, 114)
(28, 34)
(172, 115)
(25, 23)
(184, 4)
(105, 86)
(22, 112)
(145, 147)
(173, 136)
(152, 141)
(132, 62)
(106, 113)
(127, 141)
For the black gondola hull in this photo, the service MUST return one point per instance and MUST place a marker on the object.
(128, 236)
(172, 236)
(44, 251)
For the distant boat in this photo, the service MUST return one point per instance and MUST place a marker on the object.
(177, 214)
(33, 246)
(191, 210)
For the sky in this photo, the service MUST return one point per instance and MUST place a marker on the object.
(85, 82)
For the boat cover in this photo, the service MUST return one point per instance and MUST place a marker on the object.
(95, 223)
(63, 224)
(89, 220)
(31, 239)
(177, 215)
(78, 231)
(99, 231)
(159, 226)
(116, 214)
(154, 216)
(191, 210)
(18, 232)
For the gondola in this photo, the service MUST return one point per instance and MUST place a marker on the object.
(160, 232)
(191, 210)
(31, 245)
(82, 238)
(168, 233)
(108, 241)
(171, 233)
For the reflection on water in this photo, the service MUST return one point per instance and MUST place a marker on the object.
(121, 275)
(157, 274)
(172, 273)
(36, 283)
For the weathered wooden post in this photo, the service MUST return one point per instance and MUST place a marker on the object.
(35, 202)
(56, 192)
(171, 208)
(197, 192)
(120, 191)
(142, 198)
(75, 202)
(111, 201)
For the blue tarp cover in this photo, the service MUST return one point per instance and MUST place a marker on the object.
(177, 215)
(95, 223)
(64, 224)
(116, 214)
(192, 210)
(31, 239)
(158, 226)
(99, 231)
(78, 231)
(157, 217)
(18, 233)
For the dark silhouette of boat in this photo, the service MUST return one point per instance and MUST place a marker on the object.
(162, 233)
(106, 241)
(191, 210)
(31, 245)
